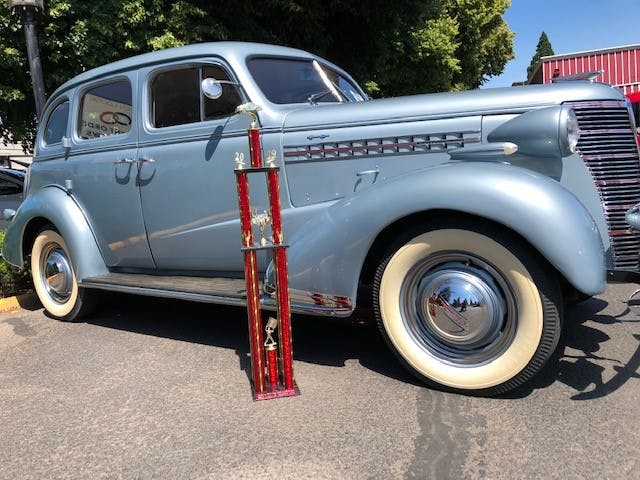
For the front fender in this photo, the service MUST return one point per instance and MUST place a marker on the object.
(326, 256)
(53, 204)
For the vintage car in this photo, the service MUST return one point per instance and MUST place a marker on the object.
(465, 220)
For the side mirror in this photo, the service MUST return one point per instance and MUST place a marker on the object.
(211, 88)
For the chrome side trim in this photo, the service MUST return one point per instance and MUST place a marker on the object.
(268, 303)
(401, 145)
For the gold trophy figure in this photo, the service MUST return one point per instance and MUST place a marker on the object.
(239, 159)
(261, 220)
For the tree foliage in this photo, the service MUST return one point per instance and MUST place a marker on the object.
(543, 49)
(393, 48)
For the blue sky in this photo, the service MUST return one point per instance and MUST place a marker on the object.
(571, 25)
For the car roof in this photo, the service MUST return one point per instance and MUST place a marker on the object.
(223, 49)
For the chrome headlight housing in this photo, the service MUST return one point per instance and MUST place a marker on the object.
(569, 131)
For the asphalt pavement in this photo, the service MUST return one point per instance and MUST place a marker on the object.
(150, 388)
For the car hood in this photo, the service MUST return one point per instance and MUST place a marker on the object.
(438, 105)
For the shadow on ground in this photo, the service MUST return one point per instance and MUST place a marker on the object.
(585, 371)
(328, 341)
(318, 340)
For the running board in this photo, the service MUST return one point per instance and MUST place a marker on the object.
(219, 290)
(225, 291)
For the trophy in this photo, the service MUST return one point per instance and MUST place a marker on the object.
(271, 159)
(239, 159)
(261, 220)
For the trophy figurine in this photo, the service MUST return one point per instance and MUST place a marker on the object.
(239, 159)
(271, 159)
(261, 220)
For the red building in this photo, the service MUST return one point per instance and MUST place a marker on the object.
(620, 67)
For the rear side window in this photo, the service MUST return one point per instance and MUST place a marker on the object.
(176, 98)
(106, 110)
(57, 124)
(9, 188)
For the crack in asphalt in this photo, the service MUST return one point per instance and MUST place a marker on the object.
(443, 445)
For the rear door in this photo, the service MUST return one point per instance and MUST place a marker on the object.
(103, 170)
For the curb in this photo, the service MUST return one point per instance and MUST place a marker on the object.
(13, 304)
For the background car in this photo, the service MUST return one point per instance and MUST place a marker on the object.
(11, 191)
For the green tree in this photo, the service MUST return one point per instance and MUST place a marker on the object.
(394, 48)
(543, 49)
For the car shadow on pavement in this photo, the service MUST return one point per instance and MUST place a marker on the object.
(319, 340)
(332, 342)
(588, 371)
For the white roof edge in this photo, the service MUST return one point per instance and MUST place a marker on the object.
(591, 52)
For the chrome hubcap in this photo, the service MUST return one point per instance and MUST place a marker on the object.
(56, 273)
(459, 308)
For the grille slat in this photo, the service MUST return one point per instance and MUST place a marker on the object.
(608, 147)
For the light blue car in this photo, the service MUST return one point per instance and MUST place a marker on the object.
(465, 220)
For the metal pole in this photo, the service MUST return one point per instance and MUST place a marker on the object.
(35, 66)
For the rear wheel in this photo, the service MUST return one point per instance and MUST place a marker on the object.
(468, 309)
(54, 279)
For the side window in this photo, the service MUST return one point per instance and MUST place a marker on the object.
(176, 97)
(106, 110)
(57, 124)
(9, 188)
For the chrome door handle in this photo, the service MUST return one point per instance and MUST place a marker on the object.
(125, 160)
(146, 160)
(368, 172)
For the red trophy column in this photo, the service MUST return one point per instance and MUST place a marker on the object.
(282, 282)
(251, 280)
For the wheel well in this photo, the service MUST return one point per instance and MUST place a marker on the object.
(30, 232)
(387, 236)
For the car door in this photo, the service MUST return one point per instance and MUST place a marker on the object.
(104, 171)
(187, 184)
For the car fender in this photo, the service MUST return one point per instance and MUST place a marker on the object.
(327, 254)
(54, 204)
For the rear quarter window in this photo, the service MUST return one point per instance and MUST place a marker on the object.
(106, 110)
(56, 126)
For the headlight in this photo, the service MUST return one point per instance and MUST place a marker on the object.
(573, 131)
(569, 130)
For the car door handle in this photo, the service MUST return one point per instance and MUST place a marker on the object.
(368, 172)
(125, 160)
(146, 160)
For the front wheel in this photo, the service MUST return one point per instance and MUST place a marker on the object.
(54, 279)
(468, 309)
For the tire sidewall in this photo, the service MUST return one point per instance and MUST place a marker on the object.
(57, 309)
(529, 321)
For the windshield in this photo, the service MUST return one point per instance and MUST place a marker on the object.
(301, 81)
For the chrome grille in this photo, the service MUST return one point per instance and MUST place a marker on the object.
(608, 147)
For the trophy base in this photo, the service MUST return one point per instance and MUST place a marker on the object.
(279, 392)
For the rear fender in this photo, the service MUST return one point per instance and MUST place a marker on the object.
(55, 205)
(327, 254)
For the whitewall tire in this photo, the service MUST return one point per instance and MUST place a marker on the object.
(54, 279)
(467, 309)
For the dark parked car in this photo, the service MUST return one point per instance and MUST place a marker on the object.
(11, 191)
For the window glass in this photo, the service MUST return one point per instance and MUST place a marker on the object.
(177, 100)
(57, 124)
(9, 188)
(176, 97)
(300, 81)
(106, 110)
